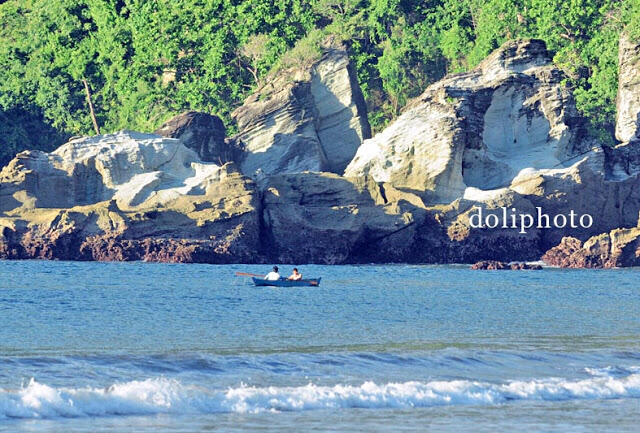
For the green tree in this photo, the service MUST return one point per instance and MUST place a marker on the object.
(254, 50)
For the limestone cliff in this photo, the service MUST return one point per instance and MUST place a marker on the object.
(126, 196)
(304, 119)
(618, 196)
(504, 136)
(479, 129)
(628, 100)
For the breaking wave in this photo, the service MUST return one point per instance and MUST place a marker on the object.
(156, 396)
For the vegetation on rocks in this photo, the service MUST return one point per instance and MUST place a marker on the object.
(145, 61)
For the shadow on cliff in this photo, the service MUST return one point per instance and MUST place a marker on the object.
(309, 126)
(341, 145)
(325, 218)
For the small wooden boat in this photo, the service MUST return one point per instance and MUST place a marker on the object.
(283, 282)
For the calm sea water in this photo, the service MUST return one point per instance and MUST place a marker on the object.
(146, 347)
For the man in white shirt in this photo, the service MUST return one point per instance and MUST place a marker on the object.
(273, 275)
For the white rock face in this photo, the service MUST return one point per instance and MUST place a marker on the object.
(342, 120)
(628, 100)
(411, 153)
(479, 129)
(312, 121)
(278, 132)
(131, 167)
(516, 136)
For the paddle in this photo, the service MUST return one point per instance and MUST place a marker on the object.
(245, 274)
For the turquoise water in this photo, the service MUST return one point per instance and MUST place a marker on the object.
(184, 348)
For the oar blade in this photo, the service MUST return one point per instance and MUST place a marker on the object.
(247, 274)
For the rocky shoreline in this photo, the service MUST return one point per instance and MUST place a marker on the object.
(303, 181)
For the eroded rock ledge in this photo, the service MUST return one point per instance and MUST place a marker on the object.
(126, 196)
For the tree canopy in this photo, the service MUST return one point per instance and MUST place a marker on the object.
(147, 60)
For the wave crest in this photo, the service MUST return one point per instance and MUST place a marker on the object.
(154, 396)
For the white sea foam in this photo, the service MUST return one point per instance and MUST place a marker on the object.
(155, 396)
(612, 371)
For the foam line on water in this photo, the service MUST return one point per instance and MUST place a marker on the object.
(154, 396)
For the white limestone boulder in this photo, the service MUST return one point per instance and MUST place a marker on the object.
(130, 167)
(312, 119)
(480, 129)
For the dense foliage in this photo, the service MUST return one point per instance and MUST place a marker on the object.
(146, 60)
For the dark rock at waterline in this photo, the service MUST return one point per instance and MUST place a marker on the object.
(567, 254)
(524, 266)
(618, 248)
(490, 265)
(112, 247)
(493, 265)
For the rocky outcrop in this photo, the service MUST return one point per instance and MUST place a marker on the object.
(342, 122)
(618, 248)
(624, 159)
(325, 218)
(490, 265)
(134, 169)
(505, 136)
(628, 100)
(126, 196)
(304, 120)
(480, 129)
(493, 265)
(569, 247)
(203, 133)
(504, 140)
(621, 246)
(278, 132)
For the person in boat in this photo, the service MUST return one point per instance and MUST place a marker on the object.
(295, 276)
(273, 275)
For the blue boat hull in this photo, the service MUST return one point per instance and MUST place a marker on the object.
(286, 283)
